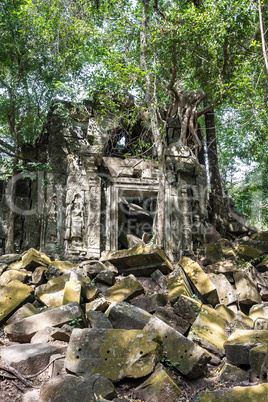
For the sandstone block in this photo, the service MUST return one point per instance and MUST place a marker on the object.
(57, 268)
(9, 258)
(151, 303)
(226, 293)
(247, 252)
(233, 373)
(127, 316)
(98, 319)
(124, 290)
(188, 358)
(72, 289)
(246, 289)
(22, 331)
(25, 311)
(113, 353)
(141, 260)
(12, 296)
(29, 358)
(158, 387)
(172, 319)
(243, 394)
(9, 276)
(259, 311)
(214, 253)
(33, 259)
(187, 308)
(107, 277)
(177, 285)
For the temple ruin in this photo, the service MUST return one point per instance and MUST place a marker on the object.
(99, 196)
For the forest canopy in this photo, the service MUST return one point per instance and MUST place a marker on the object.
(187, 57)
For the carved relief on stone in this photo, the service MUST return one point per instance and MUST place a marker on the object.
(75, 221)
(51, 221)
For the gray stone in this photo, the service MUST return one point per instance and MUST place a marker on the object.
(249, 394)
(33, 259)
(62, 334)
(233, 373)
(141, 260)
(226, 293)
(71, 389)
(188, 358)
(9, 258)
(22, 331)
(127, 316)
(124, 290)
(25, 311)
(97, 319)
(43, 336)
(29, 358)
(158, 387)
(113, 353)
(172, 319)
(9, 276)
(151, 303)
(107, 277)
(246, 289)
(160, 279)
(187, 308)
(177, 285)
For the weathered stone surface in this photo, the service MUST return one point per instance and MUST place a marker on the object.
(226, 313)
(227, 249)
(172, 319)
(33, 259)
(160, 279)
(261, 323)
(188, 358)
(72, 289)
(263, 265)
(12, 296)
(262, 236)
(27, 310)
(177, 285)
(222, 267)
(237, 394)
(208, 330)
(52, 295)
(107, 277)
(151, 303)
(100, 304)
(43, 336)
(91, 268)
(214, 253)
(158, 387)
(200, 281)
(187, 308)
(29, 358)
(15, 266)
(140, 260)
(226, 293)
(233, 373)
(9, 258)
(248, 253)
(239, 344)
(89, 292)
(124, 290)
(57, 268)
(257, 357)
(63, 333)
(38, 276)
(23, 330)
(72, 389)
(127, 316)
(243, 321)
(9, 276)
(246, 289)
(97, 319)
(114, 353)
(259, 311)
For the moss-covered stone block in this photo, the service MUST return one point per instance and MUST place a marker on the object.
(57, 268)
(158, 387)
(233, 373)
(13, 296)
(187, 308)
(256, 393)
(9, 276)
(226, 293)
(214, 253)
(124, 290)
(257, 356)
(200, 281)
(247, 290)
(248, 253)
(33, 259)
(208, 331)
(177, 285)
(113, 353)
(72, 289)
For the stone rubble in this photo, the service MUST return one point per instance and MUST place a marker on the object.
(135, 315)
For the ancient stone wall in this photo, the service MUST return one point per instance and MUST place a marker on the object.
(91, 202)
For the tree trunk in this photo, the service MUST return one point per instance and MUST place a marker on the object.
(156, 131)
(217, 202)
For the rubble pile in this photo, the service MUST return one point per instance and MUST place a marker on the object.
(134, 316)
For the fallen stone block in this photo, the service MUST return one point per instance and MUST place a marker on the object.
(208, 331)
(43, 336)
(99, 304)
(127, 316)
(25, 311)
(222, 267)
(151, 303)
(160, 279)
(89, 292)
(243, 321)
(263, 265)
(246, 289)
(9, 276)
(52, 295)
(200, 281)
(172, 319)
(187, 308)
(250, 394)
(38, 276)
(62, 334)
(29, 358)
(239, 344)
(124, 290)
(72, 289)
(226, 293)
(22, 331)
(178, 285)
(261, 323)
(97, 319)
(187, 357)
(9, 258)
(113, 353)
(158, 387)
(248, 253)
(33, 259)
(12, 297)
(141, 260)
(214, 253)
(233, 373)
(57, 268)
(226, 313)
(257, 357)
(72, 389)
(106, 277)
(259, 311)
